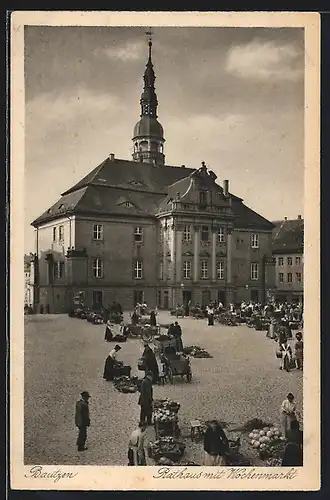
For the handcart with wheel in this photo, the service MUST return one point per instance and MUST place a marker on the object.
(176, 364)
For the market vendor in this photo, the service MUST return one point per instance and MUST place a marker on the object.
(135, 317)
(150, 362)
(111, 363)
(177, 334)
(136, 453)
(146, 399)
(153, 321)
(108, 333)
(216, 445)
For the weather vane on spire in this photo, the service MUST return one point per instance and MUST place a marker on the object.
(149, 33)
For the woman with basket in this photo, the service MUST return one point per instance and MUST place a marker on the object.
(288, 413)
(287, 361)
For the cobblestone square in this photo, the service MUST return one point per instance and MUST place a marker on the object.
(64, 356)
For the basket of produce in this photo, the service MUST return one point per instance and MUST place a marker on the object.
(266, 438)
(164, 416)
(166, 404)
(126, 384)
(167, 447)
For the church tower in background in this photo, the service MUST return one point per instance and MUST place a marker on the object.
(148, 136)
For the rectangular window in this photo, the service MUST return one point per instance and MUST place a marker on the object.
(97, 268)
(289, 261)
(186, 233)
(220, 270)
(254, 240)
(298, 277)
(97, 231)
(221, 235)
(187, 270)
(202, 197)
(54, 233)
(138, 270)
(205, 233)
(254, 271)
(281, 277)
(61, 233)
(204, 269)
(138, 234)
(280, 261)
(298, 261)
(58, 270)
(161, 270)
(289, 277)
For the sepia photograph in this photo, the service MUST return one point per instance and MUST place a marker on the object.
(164, 247)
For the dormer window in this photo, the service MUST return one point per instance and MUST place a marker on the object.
(128, 204)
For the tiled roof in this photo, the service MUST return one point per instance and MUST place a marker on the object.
(246, 218)
(133, 175)
(125, 188)
(288, 236)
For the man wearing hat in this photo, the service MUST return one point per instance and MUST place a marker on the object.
(82, 419)
(146, 399)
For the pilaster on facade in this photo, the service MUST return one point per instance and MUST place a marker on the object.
(196, 238)
(178, 252)
(229, 255)
(213, 254)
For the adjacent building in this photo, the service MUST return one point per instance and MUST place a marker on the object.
(28, 280)
(288, 251)
(141, 230)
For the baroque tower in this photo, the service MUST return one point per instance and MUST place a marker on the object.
(148, 136)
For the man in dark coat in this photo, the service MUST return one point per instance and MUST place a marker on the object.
(153, 321)
(177, 333)
(150, 362)
(146, 399)
(171, 330)
(216, 444)
(82, 420)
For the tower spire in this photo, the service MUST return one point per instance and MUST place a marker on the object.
(148, 132)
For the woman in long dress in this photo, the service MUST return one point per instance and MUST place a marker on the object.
(110, 363)
(288, 413)
(286, 356)
(210, 316)
(108, 333)
(299, 349)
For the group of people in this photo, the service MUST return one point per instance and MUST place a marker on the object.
(216, 444)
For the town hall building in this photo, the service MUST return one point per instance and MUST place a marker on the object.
(141, 230)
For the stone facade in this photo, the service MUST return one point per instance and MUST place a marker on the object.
(190, 248)
(288, 251)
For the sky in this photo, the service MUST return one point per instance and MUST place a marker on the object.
(232, 97)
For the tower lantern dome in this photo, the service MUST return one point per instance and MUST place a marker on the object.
(148, 135)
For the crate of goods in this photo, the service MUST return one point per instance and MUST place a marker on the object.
(166, 423)
(167, 447)
(167, 404)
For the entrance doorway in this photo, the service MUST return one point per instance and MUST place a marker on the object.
(97, 299)
(166, 300)
(255, 295)
(206, 298)
(222, 297)
(138, 297)
(186, 297)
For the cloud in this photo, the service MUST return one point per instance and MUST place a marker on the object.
(53, 107)
(129, 51)
(260, 60)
